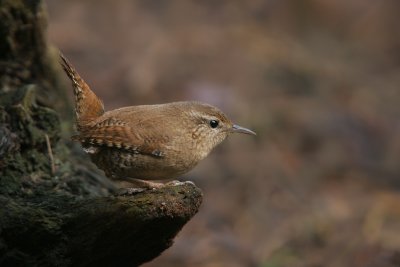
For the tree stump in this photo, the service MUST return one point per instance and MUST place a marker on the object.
(55, 208)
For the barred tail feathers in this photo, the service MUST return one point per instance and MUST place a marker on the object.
(87, 105)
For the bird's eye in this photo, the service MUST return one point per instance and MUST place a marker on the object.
(214, 123)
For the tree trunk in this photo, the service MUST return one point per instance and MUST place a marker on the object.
(55, 210)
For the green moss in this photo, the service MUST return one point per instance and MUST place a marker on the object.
(48, 121)
(30, 123)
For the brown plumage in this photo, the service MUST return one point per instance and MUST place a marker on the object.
(148, 142)
(87, 104)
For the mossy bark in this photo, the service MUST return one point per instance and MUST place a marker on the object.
(55, 210)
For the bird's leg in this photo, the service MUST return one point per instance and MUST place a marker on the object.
(176, 183)
(145, 184)
(131, 186)
(154, 185)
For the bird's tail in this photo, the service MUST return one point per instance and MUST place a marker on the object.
(87, 105)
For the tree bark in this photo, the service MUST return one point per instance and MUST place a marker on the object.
(55, 209)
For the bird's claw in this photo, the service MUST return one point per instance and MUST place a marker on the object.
(178, 183)
(129, 191)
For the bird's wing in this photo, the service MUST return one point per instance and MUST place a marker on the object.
(116, 133)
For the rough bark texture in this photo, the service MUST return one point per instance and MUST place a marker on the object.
(56, 210)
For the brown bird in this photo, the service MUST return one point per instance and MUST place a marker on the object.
(147, 142)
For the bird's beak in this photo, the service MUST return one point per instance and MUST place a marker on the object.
(240, 129)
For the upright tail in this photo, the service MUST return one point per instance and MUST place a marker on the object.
(87, 105)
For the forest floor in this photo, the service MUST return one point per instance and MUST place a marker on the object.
(319, 83)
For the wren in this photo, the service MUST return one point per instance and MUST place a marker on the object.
(147, 142)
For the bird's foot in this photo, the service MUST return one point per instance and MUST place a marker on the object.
(177, 183)
(129, 191)
(143, 185)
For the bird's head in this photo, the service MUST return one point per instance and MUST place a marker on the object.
(210, 126)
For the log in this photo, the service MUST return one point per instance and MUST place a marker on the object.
(58, 230)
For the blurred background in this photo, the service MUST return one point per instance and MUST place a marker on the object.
(318, 80)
